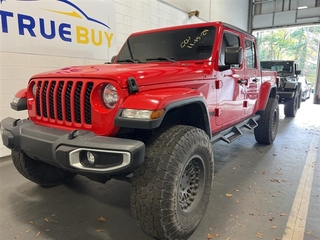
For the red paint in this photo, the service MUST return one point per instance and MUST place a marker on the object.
(160, 83)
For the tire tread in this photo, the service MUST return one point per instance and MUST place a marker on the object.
(152, 201)
(263, 132)
(39, 172)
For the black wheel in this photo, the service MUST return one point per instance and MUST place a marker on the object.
(171, 190)
(309, 94)
(39, 172)
(266, 131)
(303, 97)
(300, 99)
(291, 105)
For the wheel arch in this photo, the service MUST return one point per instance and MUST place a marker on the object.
(191, 111)
(266, 91)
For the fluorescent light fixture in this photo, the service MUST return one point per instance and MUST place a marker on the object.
(302, 7)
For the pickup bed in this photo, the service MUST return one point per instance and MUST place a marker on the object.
(150, 117)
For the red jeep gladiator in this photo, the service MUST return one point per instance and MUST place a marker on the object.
(150, 117)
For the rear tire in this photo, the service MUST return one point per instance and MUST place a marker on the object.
(171, 190)
(303, 97)
(39, 172)
(300, 99)
(266, 131)
(291, 105)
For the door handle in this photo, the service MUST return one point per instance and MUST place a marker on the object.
(255, 80)
(242, 81)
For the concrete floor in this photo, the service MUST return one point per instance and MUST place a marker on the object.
(259, 192)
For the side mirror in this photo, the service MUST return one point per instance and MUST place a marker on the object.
(298, 72)
(112, 60)
(233, 56)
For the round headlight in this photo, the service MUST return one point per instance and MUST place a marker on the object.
(34, 89)
(110, 96)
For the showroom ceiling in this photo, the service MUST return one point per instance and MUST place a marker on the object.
(284, 13)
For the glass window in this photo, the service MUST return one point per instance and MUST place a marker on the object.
(180, 44)
(279, 66)
(250, 54)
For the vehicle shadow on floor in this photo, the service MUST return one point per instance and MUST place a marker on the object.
(80, 209)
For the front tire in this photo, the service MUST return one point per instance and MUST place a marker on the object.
(171, 190)
(39, 172)
(266, 131)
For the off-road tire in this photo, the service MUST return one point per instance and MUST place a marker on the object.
(300, 99)
(266, 131)
(292, 105)
(171, 190)
(39, 172)
(303, 97)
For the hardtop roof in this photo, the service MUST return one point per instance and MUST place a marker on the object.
(216, 24)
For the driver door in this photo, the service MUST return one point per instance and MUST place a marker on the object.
(231, 91)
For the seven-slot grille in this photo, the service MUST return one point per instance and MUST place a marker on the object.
(64, 101)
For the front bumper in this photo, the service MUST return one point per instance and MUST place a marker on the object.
(286, 94)
(68, 149)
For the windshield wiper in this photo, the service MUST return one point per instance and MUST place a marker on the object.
(128, 60)
(161, 58)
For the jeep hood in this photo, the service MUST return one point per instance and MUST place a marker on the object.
(281, 74)
(144, 73)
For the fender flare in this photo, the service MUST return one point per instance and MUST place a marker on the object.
(154, 123)
(267, 90)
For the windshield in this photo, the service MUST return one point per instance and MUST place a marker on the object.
(280, 67)
(175, 45)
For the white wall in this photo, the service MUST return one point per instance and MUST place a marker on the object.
(234, 12)
(131, 16)
(138, 15)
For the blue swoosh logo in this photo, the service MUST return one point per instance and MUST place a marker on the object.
(77, 8)
(83, 13)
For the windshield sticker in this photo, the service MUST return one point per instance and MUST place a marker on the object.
(186, 42)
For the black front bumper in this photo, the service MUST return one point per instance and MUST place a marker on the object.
(286, 94)
(68, 149)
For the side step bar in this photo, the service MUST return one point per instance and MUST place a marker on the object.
(231, 134)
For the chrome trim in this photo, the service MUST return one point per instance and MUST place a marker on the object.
(74, 159)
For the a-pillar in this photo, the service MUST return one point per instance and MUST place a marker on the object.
(316, 99)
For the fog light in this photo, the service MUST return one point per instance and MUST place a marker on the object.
(91, 158)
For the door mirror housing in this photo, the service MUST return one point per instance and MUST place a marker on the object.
(112, 60)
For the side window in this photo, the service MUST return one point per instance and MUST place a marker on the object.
(229, 40)
(250, 54)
